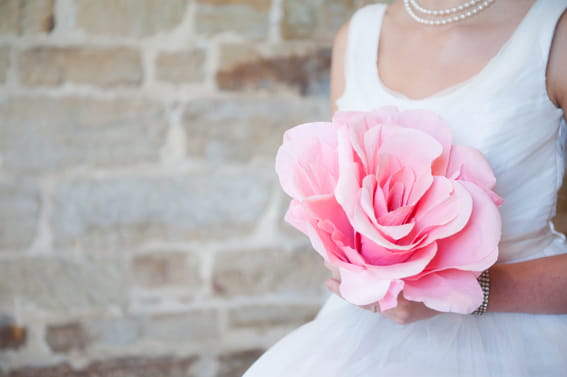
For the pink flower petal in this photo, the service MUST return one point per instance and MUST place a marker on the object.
(390, 300)
(446, 291)
(411, 264)
(475, 248)
(362, 287)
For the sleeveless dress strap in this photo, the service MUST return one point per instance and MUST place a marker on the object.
(547, 20)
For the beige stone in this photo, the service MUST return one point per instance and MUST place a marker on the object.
(241, 129)
(246, 17)
(164, 269)
(105, 67)
(67, 337)
(22, 17)
(65, 285)
(129, 18)
(48, 134)
(269, 272)
(129, 211)
(181, 67)
(303, 70)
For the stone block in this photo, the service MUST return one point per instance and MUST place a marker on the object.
(300, 273)
(162, 366)
(126, 211)
(249, 18)
(184, 67)
(96, 66)
(12, 336)
(262, 317)
(303, 70)
(19, 211)
(65, 285)
(241, 129)
(23, 17)
(165, 269)
(67, 337)
(129, 18)
(44, 134)
(316, 19)
(236, 363)
(4, 63)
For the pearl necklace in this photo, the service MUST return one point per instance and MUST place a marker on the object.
(466, 10)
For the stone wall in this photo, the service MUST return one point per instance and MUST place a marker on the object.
(141, 226)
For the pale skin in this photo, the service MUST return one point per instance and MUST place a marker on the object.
(449, 55)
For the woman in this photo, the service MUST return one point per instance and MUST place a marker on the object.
(498, 74)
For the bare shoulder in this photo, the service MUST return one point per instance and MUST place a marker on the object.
(557, 66)
(338, 80)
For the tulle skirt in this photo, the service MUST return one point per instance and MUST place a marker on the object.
(347, 341)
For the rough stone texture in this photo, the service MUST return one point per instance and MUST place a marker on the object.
(236, 363)
(245, 17)
(105, 67)
(166, 366)
(129, 18)
(12, 336)
(265, 317)
(158, 270)
(316, 19)
(43, 134)
(304, 70)
(223, 131)
(267, 272)
(19, 209)
(22, 17)
(4, 63)
(181, 67)
(123, 211)
(67, 337)
(65, 285)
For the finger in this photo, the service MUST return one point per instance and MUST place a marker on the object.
(333, 286)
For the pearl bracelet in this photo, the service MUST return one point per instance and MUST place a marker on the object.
(484, 281)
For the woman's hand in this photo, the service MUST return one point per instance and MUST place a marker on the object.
(406, 311)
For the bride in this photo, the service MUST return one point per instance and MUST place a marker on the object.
(496, 70)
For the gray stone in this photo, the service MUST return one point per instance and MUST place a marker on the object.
(19, 211)
(65, 285)
(129, 211)
(4, 63)
(237, 130)
(129, 18)
(234, 364)
(181, 67)
(269, 272)
(246, 17)
(104, 67)
(21, 17)
(316, 19)
(41, 134)
(268, 316)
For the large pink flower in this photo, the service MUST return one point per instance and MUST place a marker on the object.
(385, 197)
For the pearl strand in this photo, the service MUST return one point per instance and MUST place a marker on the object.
(447, 20)
(443, 12)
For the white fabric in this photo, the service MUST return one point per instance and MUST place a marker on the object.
(505, 112)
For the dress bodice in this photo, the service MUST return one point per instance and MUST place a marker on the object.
(504, 111)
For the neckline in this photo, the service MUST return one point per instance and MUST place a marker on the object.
(450, 90)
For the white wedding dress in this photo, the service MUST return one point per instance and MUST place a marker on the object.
(505, 112)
